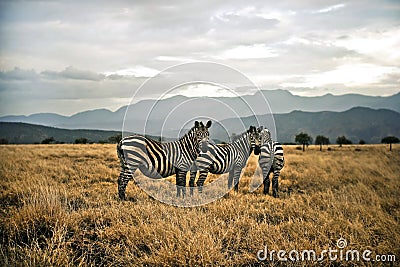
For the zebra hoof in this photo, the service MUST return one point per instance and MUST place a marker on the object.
(275, 194)
(179, 195)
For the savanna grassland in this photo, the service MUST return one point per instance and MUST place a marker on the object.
(59, 207)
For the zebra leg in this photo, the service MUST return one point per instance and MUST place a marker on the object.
(275, 183)
(230, 179)
(267, 183)
(193, 173)
(266, 171)
(191, 181)
(201, 180)
(180, 183)
(123, 179)
(125, 174)
(236, 177)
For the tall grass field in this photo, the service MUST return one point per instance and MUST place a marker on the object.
(60, 207)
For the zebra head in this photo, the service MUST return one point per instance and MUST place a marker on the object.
(202, 135)
(254, 139)
(265, 135)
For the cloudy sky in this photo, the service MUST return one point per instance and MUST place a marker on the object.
(70, 56)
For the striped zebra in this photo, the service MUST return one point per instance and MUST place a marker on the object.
(270, 160)
(221, 159)
(159, 160)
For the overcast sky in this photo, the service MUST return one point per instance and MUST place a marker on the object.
(70, 56)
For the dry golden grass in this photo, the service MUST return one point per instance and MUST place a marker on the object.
(59, 207)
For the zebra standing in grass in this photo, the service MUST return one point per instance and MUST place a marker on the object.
(270, 151)
(160, 160)
(221, 159)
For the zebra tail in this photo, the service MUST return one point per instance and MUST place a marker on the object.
(121, 155)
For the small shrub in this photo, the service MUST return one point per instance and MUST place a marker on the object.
(49, 140)
(81, 141)
(3, 141)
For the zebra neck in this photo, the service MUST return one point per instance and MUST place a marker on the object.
(243, 143)
(189, 143)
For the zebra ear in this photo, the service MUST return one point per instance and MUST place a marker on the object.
(208, 125)
(196, 124)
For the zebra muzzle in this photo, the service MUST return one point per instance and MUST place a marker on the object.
(204, 146)
(257, 150)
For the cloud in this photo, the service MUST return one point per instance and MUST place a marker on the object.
(74, 74)
(114, 47)
(330, 8)
(19, 74)
(174, 59)
(391, 79)
(350, 75)
(137, 71)
(249, 52)
(246, 18)
(380, 45)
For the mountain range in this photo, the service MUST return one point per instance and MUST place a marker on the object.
(356, 124)
(177, 111)
(24, 133)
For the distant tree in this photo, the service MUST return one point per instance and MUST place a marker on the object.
(342, 140)
(304, 139)
(3, 141)
(390, 140)
(49, 140)
(115, 138)
(81, 140)
(321, 140)
(362, 142)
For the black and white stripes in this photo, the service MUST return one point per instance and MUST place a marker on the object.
(159, 160)
(221, 159)
(271, 160)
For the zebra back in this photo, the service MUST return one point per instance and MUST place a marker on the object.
(157, 159)
(272, 155)
(222, 158)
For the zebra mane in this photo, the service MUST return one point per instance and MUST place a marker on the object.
(265, 136)
(189, 135)
(237, 138)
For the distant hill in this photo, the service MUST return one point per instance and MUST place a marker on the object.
(282, 101)
(356, 124)
(23, 133)
(176, 110)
